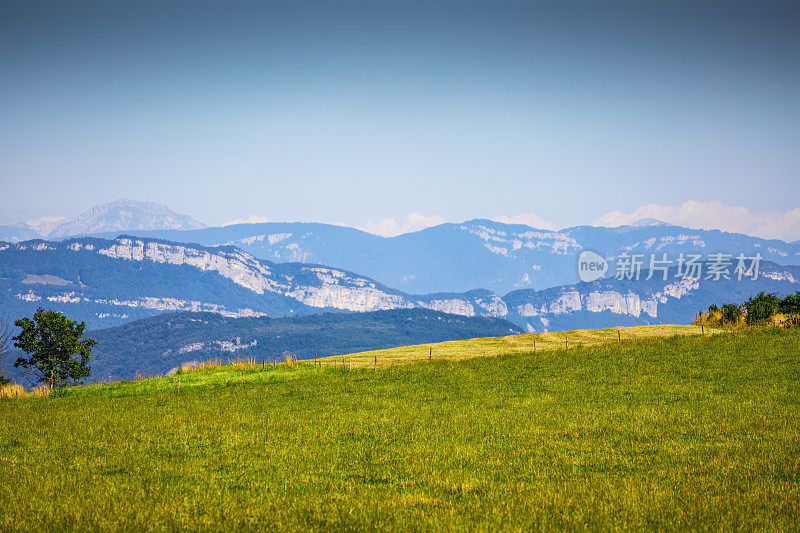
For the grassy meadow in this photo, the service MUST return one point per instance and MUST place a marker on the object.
(516, 344)
(679, 432)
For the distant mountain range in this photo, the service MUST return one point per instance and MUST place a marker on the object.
(18, 232)
(475, 254)
(478, 268)
(110, 282)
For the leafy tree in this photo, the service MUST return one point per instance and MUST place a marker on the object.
(791, 304)
(731, 313)
(52, 342)
(761, 307)
(713, 308)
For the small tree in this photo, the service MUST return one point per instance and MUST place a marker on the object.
(761, 307)
(52, 342)
(731, 313)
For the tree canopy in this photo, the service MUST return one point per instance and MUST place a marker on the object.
(57, 355)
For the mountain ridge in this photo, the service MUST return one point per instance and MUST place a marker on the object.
(110, 282)
(449, 257)
(478, 253)
(124, 215)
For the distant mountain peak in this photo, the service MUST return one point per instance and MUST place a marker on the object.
(124, 215)
(648, 222)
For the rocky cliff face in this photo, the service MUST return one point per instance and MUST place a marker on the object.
(109, 282)
(127, 278)
(315, 286)
(455, 258)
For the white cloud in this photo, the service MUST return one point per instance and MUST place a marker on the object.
(784, 225)
(528, 219)
(389, 227)
(252, 219)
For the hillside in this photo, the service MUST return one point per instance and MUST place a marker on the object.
(153, 346)
(475, 254)
(673, 433)
(111, 282)
(457, 350)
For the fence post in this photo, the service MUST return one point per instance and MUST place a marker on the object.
(179, 383)
(534, 345)
(566, 342)
(430, 354)
(619, 336)
(375, 368)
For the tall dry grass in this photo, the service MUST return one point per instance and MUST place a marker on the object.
(247, 363)
(13, 390)
(40, 390)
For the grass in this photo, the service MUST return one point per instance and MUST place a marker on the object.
(515, 344)
(11, 390)
(654, 433)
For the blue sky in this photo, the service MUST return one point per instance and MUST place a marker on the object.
(352, 112)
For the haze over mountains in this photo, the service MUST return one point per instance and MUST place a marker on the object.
(445, 258)
(109, 282)
(119, 215)
(169, 262)
(474, 254)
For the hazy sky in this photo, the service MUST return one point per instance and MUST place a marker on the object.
(348, 112)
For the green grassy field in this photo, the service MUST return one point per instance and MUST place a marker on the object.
(679, 432)
(515, 344)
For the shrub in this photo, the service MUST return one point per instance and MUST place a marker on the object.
(791, 304)
(731, 314)
(761, 307)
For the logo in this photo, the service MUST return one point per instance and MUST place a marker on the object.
(591, 266)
